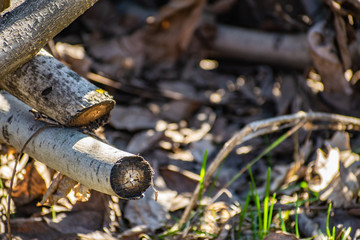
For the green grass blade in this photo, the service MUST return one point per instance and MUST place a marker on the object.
(297, 220)
(266, 202)
(269, 157)
(53, 213)
(257, 203)
(243, 211)
(216, 178)
(327, 221)
(265, 152)
(283, 227)
(253, 224)
(271, 212)
(202, 174)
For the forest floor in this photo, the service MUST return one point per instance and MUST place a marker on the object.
(186, 90)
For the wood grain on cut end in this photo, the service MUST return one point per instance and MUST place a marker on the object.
(53, 89)
(130, 177)
(93, 113)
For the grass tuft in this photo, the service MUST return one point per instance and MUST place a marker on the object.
(202, 174)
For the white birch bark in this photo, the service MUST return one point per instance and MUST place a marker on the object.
(27, 28)
(89, 161)
(53, 89)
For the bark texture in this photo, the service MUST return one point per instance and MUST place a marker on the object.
(52, 88)
(89, 161)
(27, 28)
(278, 49)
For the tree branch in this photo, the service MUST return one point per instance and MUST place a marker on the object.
(51, 88)
(251, 45)
(91, 162)
(27, 28)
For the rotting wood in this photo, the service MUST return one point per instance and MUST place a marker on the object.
(28, 27)
(53, 89)
(89, 161)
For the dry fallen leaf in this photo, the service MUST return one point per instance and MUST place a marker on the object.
(132, 118)
(174, 175)
(60, 188)
(178, 110)
(326, 167)
(215, 216)
(168, 34)
(337, 173)
(280, 236)
(146, 211)
(340, 140)
(75, 56)
(143, 141)
(34, 184)
(326, 61)
(286, 94)
(134, 233)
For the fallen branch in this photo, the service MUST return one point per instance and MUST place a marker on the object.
(285, 49)
(52, 88)
(91, 162)
(288, 50)
(262, 127)
(27, 28)
(258, 46)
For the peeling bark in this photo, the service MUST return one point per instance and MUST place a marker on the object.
(91, 162)
(52, 88)
(27, 28)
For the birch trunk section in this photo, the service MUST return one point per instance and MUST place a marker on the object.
(52, 88)
(91, 162)
(27, 28)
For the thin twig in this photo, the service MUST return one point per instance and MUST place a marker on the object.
(13, 177)
(245, 168)
(259, 128)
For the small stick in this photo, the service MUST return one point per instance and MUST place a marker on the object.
(13, 177)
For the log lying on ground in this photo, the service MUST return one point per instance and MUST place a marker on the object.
(91, 162)
(51, 88)
(289, 50)
(27, 28)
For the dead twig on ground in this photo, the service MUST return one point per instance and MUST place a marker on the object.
(13, 177)
(262, 127)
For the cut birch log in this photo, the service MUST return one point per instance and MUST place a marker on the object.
(91, 162)
(27, 28)
(53, 89)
